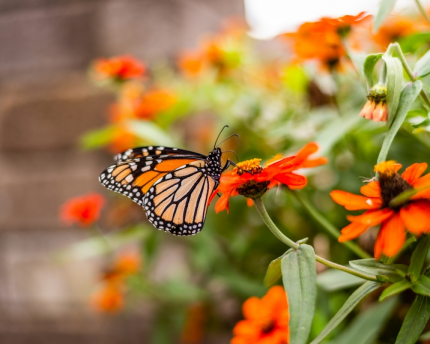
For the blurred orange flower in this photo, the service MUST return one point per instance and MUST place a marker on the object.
(109, 298)
(191, 63)
(395, 28)
(251, 180)
(322, 40)
(122, 140)
(118, 68)
(83, 210)
(414, 214)
(146, 105)
(266, 320)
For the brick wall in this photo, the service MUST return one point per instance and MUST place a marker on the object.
(46, 104)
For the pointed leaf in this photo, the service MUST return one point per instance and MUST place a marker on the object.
(348, 306)
(394, 78)
(415, 320)
(299, 278)
(376, 267)
(409, 94)
(150, 132)
(422, 67)
(369, 66)
(385, 8)
(274, 272)
(365, 327)
(395, 288)
(418, 258)
(422, 286)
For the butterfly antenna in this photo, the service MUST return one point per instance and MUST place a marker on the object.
(226, 139)
(232, 152)
(226, 126)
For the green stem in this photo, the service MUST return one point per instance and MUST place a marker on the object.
(327, 226)
(97, 231)
(282, 237)
(422, 10)
(269, 223)
(396, 47)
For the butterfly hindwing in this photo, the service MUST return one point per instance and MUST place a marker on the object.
(177, 203)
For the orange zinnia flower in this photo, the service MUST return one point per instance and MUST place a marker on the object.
(108, 298)
(414, 214)
(119, 68)
(83, 210)
(251, 180)
(124, 265)
(266, 320)
(321, 40)
(394, 29)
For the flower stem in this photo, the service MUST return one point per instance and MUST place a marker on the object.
(282, 237)
(269, 223)
(396, 47)
(327, 226)
(422, 10)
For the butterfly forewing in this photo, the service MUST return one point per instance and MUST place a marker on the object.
(151, 151)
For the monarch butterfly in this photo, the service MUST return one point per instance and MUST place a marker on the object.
(172, 185)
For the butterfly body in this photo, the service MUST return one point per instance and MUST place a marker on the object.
(172, 185)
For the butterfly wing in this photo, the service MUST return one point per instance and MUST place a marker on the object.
(177, 202)
(140, 152)
(133, 178)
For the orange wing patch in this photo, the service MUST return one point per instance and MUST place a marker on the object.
(170, 165)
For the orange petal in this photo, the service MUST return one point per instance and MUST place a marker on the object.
(294, 181)
(251, 308)
(373, 189)
(391, 237)
(416, 217)
(422, 182)
(246, 328)
(353, 230)
(314, 162)
(414, 172)
(222, 203)
(307, 150)
(354, 202)
(372, 217)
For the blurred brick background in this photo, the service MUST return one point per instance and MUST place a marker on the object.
(46, 103)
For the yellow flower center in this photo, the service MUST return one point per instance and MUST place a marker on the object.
(250, 166)
(387, 168)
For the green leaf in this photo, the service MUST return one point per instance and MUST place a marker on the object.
(415, 320)
(150, 132)
(422, 67)
(395, 288)
(394, 78)
(385, 8)
(409, 94)
(299, 278)
(97, 138)
(365, 327)
(376, 267)
(368, 66)
(412, 43)
(332, 280)
(274, 272)
(425, 336)
(348, 306)
(422, 286)
(424, 123)
(418, 258)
